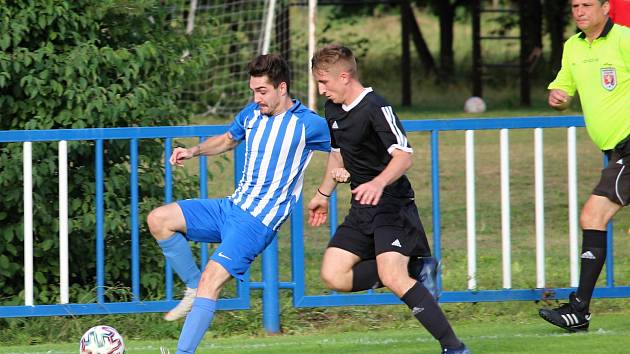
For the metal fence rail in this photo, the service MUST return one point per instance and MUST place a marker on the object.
(270, 283)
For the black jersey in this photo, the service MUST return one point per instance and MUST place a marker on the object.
(365, 132)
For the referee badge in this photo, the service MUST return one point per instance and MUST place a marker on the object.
(609, 78)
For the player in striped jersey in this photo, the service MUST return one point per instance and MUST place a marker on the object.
(280, 135)
(382, 233)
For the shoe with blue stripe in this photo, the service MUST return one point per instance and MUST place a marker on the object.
(459, 350)
(425, 270)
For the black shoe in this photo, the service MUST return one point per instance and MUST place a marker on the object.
(425, 270)
(572, 316)
(460, 350)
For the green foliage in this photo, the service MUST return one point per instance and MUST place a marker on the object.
(85, 64)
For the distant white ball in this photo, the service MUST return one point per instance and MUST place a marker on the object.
(474, 104)
(101, 340)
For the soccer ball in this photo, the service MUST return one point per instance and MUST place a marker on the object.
(474, 104)
(102, 340)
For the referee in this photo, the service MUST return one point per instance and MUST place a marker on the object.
(382, 232)
(596, 63)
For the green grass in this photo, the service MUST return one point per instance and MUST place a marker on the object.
(610, 333)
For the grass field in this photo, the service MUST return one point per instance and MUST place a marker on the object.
(610, 333)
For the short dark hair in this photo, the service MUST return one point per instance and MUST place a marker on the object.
(273, 66)
(332, 55)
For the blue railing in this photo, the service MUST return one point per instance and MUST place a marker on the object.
(270, 283)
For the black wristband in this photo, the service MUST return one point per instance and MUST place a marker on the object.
(322, 193)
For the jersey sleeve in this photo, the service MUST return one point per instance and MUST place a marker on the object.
(389, 129)
(564, 80)
(237, 129)
(624, 46)
(317, 133)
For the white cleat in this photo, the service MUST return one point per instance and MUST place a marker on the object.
(164, 350)
(184, 306)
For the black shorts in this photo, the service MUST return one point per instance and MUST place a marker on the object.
(614, 183)
(392, 225)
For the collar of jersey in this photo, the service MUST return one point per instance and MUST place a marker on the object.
(356, 100)
(292, 109)
(607, 27)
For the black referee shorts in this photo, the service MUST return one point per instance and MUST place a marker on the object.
(614, 182)
(392, 225)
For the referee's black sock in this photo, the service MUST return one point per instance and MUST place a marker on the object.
(593, 258)
(430, 315)
(365, 276)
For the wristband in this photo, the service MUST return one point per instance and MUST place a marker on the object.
(322, 193)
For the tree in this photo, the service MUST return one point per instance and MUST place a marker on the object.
(446, 10)
(556, 19)
(77, 64)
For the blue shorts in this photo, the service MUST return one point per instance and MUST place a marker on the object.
(242, 237)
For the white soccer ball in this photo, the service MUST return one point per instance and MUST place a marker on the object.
(474, 104)
(101, 340)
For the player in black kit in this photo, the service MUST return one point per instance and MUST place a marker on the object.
(382, 231)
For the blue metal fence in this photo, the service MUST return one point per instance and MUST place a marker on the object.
(270, 284)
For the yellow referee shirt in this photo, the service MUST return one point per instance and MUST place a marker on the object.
(600, 72)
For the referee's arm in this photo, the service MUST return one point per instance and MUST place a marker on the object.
(559, 99)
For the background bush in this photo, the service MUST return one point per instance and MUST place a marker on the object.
(84, 64)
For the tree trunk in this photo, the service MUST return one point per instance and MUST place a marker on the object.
(446, 13)
(534, 24)
(418, 39)
(556, 14)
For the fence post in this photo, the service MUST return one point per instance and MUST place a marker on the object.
(271, 293)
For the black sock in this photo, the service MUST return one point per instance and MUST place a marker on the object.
(430, 315)
(415, 266)
(365, 276)
(593, 258)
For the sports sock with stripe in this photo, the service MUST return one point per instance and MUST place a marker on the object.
(430, 315)
(593, 256)
(178, 253)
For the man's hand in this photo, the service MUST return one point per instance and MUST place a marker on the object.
(559, 100)
(340, 175)
(369, 193)
(179, 155)
(317, 210)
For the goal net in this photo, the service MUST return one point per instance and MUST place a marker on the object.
(238, 31)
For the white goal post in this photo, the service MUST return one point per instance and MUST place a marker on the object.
(238, 30)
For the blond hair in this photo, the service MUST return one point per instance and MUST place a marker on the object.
(335, 55)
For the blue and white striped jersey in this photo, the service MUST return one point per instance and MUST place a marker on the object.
(278, 149)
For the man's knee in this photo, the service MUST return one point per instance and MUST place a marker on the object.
(593, 218)
(334, 280)
(392, 279)
(394, 273)
(212, 280)
(597, 212)
(158, 221)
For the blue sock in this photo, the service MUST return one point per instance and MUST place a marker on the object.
(177, 251)
(196, 324)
